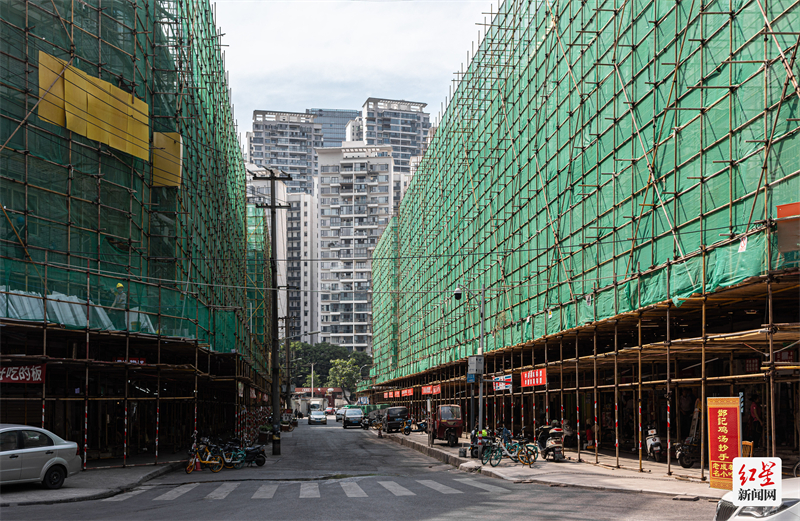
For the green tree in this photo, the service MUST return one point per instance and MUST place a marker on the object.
(362, 359)
(317, 382)
(322, 355)
(344, 374)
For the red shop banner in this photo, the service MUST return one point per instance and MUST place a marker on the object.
(426, 389)
(437, 389)
(385, 395)
(724, 440)
(534, 377)
(22, 374)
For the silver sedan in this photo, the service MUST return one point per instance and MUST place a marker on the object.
(30, 455)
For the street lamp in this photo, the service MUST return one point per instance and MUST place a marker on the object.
(457, 295)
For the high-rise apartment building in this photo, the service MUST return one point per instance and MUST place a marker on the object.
(355, 203)
(333, 123)
(402, 124)
(302, 266)
(286, 140)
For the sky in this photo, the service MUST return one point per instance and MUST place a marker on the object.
(291, 55)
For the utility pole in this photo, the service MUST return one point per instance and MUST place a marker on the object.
(275, 344)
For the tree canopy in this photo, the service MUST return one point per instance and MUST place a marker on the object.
(323, 355)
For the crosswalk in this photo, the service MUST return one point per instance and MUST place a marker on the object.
(309, 489)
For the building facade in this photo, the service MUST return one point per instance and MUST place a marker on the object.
(402, 124)
(302, 232)
(621, 249)
(334, 124)
(286, 140)
(355, 203)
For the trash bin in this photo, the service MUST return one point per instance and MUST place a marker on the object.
(462, 452)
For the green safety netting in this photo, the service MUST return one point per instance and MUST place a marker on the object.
(579, 173)
(81, 217)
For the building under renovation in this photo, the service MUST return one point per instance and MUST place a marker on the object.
(133, 282)
(621, 182)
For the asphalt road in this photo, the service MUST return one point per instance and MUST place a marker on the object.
(326, 472)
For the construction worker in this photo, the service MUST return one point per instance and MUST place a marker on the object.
(117, 312)
(120, 297)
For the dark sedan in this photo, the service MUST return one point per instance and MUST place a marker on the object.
(352, 417)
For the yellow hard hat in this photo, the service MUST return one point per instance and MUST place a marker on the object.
(119, 285)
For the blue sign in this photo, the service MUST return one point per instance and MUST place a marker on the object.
(470, 378)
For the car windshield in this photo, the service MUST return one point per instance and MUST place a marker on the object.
(353, 412)
(451, 413)
(317, 413)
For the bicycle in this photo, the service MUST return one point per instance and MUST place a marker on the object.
(528, 452)
(203, 455)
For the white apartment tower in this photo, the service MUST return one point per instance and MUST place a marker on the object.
(402, 124)
(355, 202)
(286, 140)
(302, 269)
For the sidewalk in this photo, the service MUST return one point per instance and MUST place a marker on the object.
(571, 473)
(86, 485)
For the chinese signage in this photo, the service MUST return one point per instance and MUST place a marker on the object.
(23, 374)
(407, 392)
(757, 482)
(431, 389)
(534, 377)
(752, 365)
(724, 439)
(502, 383)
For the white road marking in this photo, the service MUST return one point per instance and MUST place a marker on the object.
(222, 491)
(352, 489)
(176, 492)
(484, 486)
(438, 487)
(309, 490)
(265, 492)
(396, 489)
(126, 495)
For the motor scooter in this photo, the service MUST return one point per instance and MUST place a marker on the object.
(551, 443)
(653, 444)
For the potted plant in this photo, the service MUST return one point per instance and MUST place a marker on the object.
(263, 433)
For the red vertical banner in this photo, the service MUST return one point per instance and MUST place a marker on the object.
(724, 440)
(436, 389)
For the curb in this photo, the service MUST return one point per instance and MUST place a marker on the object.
(164, 469)
(457, 462)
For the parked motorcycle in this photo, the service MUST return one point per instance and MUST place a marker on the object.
(551, 444)
(653, 444)
(688, 452)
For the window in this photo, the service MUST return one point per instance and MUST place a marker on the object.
(34, 439)
(8, 441)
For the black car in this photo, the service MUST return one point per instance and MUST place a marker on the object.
(352, 417)
(394, 418)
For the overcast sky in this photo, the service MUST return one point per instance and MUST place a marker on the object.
(290, 55)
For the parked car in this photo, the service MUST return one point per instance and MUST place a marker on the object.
(789, 509)
(339, 414)
(394, 418)
(330, 410)
(317, 417)
(30, 455)
(352, 417)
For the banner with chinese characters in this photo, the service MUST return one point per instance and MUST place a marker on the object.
(407, 392)
(22, 374)
(534, 377)
(724, 440)
(431, 389)
(502, 383)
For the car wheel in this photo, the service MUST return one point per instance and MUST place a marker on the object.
(54, 478)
